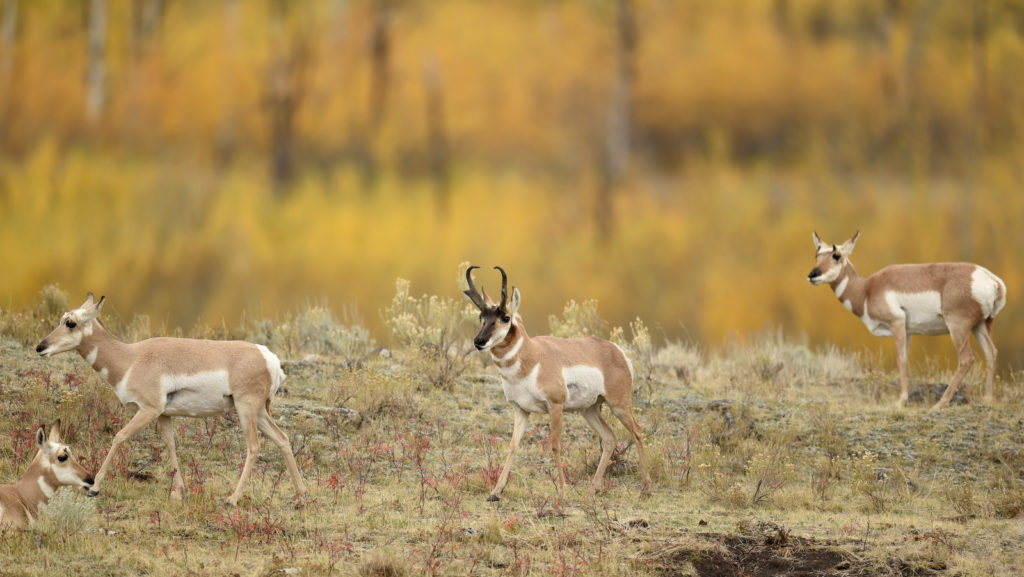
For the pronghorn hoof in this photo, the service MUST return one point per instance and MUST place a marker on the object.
(91, 493)
(493, 498)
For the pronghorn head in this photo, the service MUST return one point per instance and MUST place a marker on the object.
(496, 320)
(73, 326)
(58, 460)
(831, 259)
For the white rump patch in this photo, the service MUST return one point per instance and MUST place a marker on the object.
(584, 385)
(274, 367)
(202, 394)
(985, 289)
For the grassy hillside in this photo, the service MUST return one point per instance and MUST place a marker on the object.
(768, 458)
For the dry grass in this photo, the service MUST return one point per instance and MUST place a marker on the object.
(770, 447)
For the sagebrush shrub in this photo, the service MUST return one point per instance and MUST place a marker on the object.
(66, 514)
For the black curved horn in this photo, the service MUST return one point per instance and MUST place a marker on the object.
(473, 293)
(504, 289)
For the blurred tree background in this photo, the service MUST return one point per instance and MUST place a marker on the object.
(208, 159)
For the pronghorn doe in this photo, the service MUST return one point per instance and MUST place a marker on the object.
(52, 468)
(552, 375)
(918, 299)
(171, 377)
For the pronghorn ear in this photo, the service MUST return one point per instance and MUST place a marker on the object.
(99, 305)
(54, 432)
(847, 246)
(41, 436)
(487, 299)
(90, 300)
(817, 241)
(513, 303)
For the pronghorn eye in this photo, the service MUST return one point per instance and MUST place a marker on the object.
(62, 458)
(506, 319)
(835, 256)
(70, 324)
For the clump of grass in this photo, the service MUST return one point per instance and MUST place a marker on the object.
(67, 513)
(314, 330)
(641, 350)
(382, 564)
(770, 470)
(30, 325)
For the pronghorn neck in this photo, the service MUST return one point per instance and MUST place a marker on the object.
(849, 288)
(37, 485)
(509, 349)
(109, 356)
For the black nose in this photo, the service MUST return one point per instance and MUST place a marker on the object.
(41, 347)
(814, 273)
(479, 343)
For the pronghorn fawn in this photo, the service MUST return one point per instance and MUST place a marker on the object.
(553, 375)
(918, 299)
(165, 377)
(52, 468)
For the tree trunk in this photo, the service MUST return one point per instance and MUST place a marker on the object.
(380, 56)
(8, 29)
(96, 81)
(619, 137)
(437, 137)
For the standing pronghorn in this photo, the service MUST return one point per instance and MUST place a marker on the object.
(918, 299)
(170, 377)
(52, 468)
(552, 375)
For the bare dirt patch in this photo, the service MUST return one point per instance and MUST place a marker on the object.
(769, 550)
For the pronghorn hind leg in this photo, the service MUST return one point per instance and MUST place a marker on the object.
(960, 332)
(607, 438)
(248, 418)
(136, 424)
(902, 341)
(983, 333)
(167, 431)
(521, 419)
(625, 416)
(278, 437)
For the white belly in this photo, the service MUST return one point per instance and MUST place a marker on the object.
(584, 385)
(199, 395)
(922, 312)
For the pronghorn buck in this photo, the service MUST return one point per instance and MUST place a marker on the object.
(553, 375)
(171, 377)
(918, 299)
(52, 468)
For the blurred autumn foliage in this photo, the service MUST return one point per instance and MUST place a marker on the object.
(197, 159)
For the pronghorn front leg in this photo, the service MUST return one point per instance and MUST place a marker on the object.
(142, 418)
(902, 340)
(177, 485)
(556, 446)
(521, 419)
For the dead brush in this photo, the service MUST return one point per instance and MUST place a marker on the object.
(433, 332)
(883, 487)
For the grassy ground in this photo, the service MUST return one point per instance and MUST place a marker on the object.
(768, 458)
